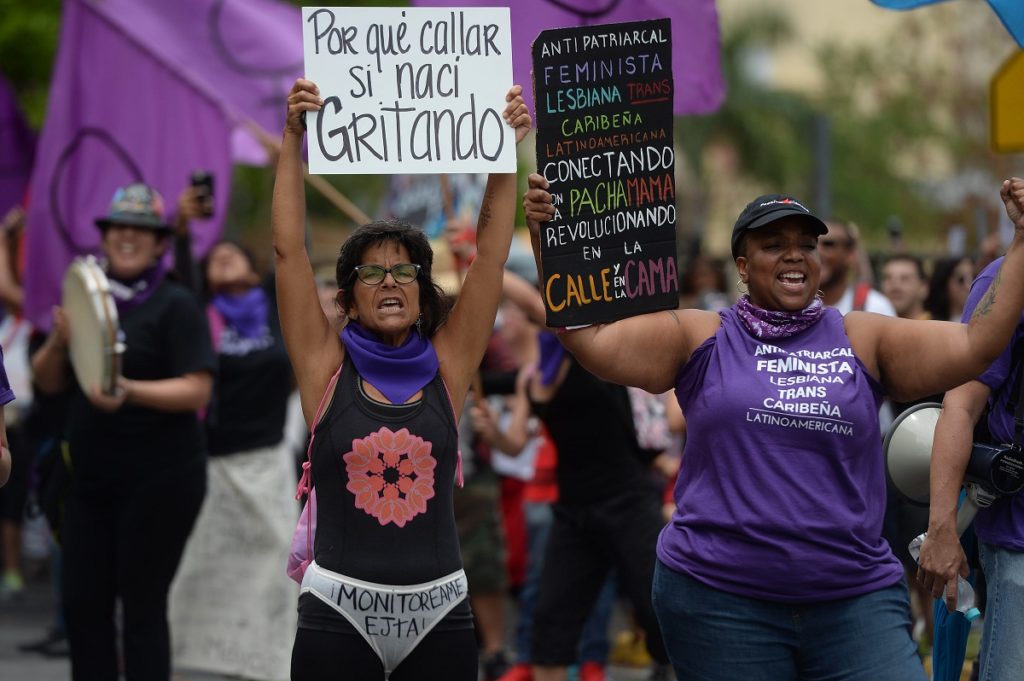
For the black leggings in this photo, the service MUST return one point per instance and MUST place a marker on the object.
(126, 543)
(586, 541)
(329, 656)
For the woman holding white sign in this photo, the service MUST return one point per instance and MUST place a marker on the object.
(773, 565)
(385, 594)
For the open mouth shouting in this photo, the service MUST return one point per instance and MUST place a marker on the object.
(792, 281)
(390, 304)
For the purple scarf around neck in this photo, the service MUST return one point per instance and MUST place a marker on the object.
(772, 324)
(246, 313)
(130, 293)
(551, 354)
(397, 372)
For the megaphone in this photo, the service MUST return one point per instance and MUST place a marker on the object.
(992, 470)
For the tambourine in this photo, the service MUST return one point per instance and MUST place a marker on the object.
(94, 334)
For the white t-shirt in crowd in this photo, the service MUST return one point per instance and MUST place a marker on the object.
(875, 302)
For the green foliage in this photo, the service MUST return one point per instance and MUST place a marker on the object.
(896, 115)
(884, 119)
(28, 44)
(768, 127)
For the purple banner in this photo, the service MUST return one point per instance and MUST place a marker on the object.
(151, 91)
(699, 88)
(116, 115)
(18, 143)
(243, 54)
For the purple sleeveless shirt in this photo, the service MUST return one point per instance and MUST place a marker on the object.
(782, 488)
(1002, 523)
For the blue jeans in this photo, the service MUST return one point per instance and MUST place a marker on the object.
(594, 639)
(712, 635)
(1002, 643)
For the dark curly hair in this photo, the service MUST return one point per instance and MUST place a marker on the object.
(434, 304)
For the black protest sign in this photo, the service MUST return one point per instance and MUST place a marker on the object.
(604, 142)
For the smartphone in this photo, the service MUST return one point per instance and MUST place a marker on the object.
(894, 226)
(202, 181)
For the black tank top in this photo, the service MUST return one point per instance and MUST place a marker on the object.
(383, 475)
(591, 423)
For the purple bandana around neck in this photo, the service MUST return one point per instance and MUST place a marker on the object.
(771, 324)
(130, 293)
(397, 372)
(246, 313)
(551, 354)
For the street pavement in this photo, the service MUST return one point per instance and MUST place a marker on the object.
(27, 618)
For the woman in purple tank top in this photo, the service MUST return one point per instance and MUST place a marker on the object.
(384, 596)
(773, 566)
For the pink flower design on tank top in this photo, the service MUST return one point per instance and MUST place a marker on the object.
(391, 475)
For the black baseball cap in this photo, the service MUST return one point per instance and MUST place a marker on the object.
(767, 209)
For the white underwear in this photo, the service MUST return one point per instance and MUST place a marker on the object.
(392, 619)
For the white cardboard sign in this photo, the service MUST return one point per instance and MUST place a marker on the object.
(409, 90)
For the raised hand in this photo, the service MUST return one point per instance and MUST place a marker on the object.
(537, 202)
(190, 207)
(304, 96)
(516, 112)
(1012, 194)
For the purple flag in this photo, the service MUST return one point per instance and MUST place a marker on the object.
(150, 91)
(245, 54)
(699, 88)
(1010, 12)
(18, 145)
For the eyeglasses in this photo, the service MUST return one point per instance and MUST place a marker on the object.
(403, 273)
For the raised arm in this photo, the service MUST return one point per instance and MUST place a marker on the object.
(189, 208)
(511, 439)
(942, 556)
(461, 342)
(914, 358)
(313, 347)
(646, 350)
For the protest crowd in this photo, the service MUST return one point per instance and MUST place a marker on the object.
(457, 447)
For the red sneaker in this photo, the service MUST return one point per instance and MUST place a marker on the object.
(519, 672)
(592, 671)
